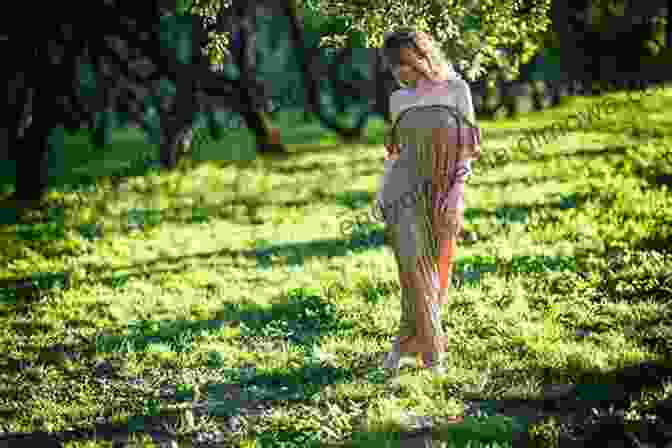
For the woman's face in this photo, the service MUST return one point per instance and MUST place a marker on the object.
(413, 67)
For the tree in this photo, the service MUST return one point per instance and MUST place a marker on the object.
(144, 58)
(603, 39)
(470, 31)
(94, 72)
(243, 51)
(120, 59)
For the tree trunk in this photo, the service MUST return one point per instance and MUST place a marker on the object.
(509, 99)
(20, 110)
(32, 118)
(179, 118)
(177, 124)
(169, 149)
(569, 25)
(259, 123)
(539, 95)
(32, 162)
(244, 54)
(310, 78)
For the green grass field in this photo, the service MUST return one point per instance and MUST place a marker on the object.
(222, 296)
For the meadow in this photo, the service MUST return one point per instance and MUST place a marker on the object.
(221, 304)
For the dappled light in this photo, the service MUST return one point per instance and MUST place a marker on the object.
(193, 252)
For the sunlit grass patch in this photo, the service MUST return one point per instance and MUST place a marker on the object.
(233, 284)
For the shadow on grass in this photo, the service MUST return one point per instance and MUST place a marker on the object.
(659, 242)
(496, 134)
(311, 316)
(22, 294)
(576, 396)
(49, 225)
(470, 432)
(525, 180)
(469, 271)
(506, 213)
(291, 254)
(581, 154)
(299, 319)
(363, 237)
(47, 220)
(582, 400)
(324, 167)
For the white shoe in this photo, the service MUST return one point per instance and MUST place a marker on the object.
(438, 370)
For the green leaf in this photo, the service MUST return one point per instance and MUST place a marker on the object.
(183, 7)
(337, 25)
(472, 23)
(357, 39)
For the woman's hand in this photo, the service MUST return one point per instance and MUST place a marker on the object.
(474, 152)
(477, 151)
(391, 148)
(392, 154)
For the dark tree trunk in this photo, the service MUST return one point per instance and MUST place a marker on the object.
(244, 53)
(32, 150)
(174, 143)
(569, 25)
(168, 152)
(492, 100)
(509, 99)
(539, 95)
(311, 78)
(177, 123)
(259, 123)
(32, 162)
(20, 98)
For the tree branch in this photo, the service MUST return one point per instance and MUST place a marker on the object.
(210, 83)
(309, 78)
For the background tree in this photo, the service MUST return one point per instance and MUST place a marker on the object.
(469, 31)
(605, 39)
(103, 73)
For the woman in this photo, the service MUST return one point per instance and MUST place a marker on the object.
(429, 145)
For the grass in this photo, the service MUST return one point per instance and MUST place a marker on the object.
(222, 297)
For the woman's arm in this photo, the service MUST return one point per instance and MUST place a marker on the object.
(392, 149)
(466, 106)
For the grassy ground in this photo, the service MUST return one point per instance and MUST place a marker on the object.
(222, 297)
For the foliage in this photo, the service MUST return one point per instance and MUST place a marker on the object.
(104, 77)
(471, 32)
(218, 41)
